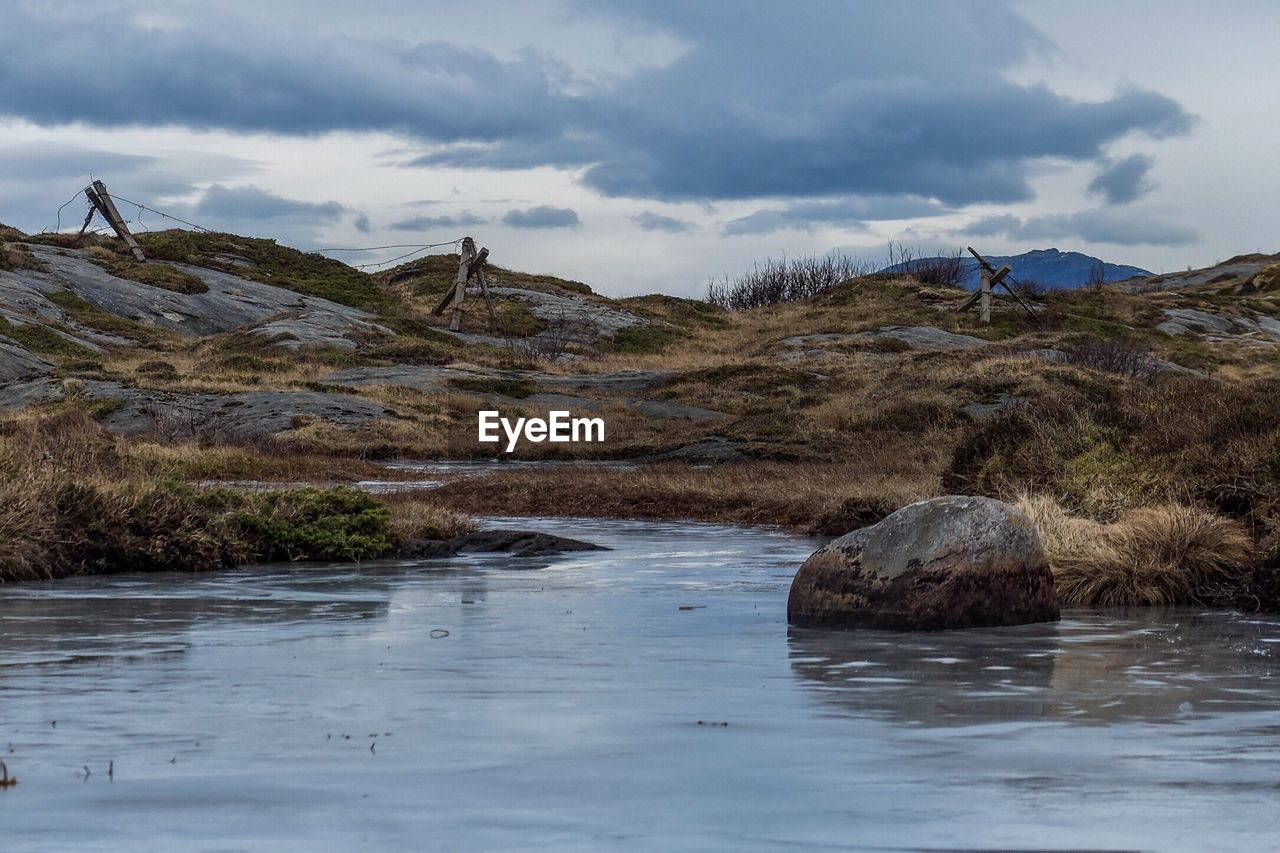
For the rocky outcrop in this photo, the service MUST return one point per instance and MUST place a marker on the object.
(927, 338)
(1217, 327)
(185, 415)
(944, 563)
(518, 543)
(286, 317)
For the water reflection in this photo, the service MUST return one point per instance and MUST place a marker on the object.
(89, 619)
(1092, 667)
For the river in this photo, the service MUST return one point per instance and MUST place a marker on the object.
(650, 697)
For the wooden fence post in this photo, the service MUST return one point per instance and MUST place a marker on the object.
(465, 257)
(101, 199)
(984, 306)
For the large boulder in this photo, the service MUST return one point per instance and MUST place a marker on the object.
(950, 562)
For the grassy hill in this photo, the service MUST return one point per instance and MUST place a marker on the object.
(1146, 408)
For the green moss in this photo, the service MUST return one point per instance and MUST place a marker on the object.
(687, 313)
(643, 339)
(406, 350)
(43, 340)
(86, 313)
(518, 320)
(160, 275)
(103, 408)
(270, 263)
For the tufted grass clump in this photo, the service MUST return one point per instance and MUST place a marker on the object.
(1159, 555)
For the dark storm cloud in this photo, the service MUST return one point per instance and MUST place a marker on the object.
(845, 213)
(243, 75)
(1123, 181)
(1122, 227)
(543, 216)
(650, 221)
(806, 99)
(426, 223)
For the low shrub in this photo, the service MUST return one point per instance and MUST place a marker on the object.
(307, 524)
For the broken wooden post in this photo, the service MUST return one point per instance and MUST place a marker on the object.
(984, 304)
(990, 278)
(102, 202)
(467, 255)
(477, 269)
(470, 263)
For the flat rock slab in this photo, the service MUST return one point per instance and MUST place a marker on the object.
(822, 339)
(1212, 326)
(582, 318)
(518, 543)
(927, 338)
(17, 363)
(433, 378)
(145, 410)
(946, 563)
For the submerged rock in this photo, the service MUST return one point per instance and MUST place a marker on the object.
(518, 543)
(950, 562)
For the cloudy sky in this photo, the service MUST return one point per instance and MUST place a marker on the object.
(647, 146)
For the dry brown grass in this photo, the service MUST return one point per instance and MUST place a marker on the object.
(1159, 555)
(75, 499)
(421, 515)
(819, 498)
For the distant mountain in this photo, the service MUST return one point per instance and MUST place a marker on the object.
(1052, 269)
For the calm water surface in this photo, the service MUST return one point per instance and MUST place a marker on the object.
(572, 704)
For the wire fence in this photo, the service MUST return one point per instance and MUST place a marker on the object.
(415, 248)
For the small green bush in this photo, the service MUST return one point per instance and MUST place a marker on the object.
(311, 524)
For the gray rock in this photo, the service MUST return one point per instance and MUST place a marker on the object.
(927, 338)
(231, 303)
(17, 363)
(713, 450)
(1217, 327)
(1184, 321)
(809, 340)
(143, 410)
(583, 317)
(518, 543)
(944, 563)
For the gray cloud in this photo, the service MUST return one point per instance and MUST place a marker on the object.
(361, 223)
(35, 178)
(249, 203)
(1123, 181)
(543, 216)
(808, 99)
(846, 213)
(650, 221)
(426, 223)
(1122, 227)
